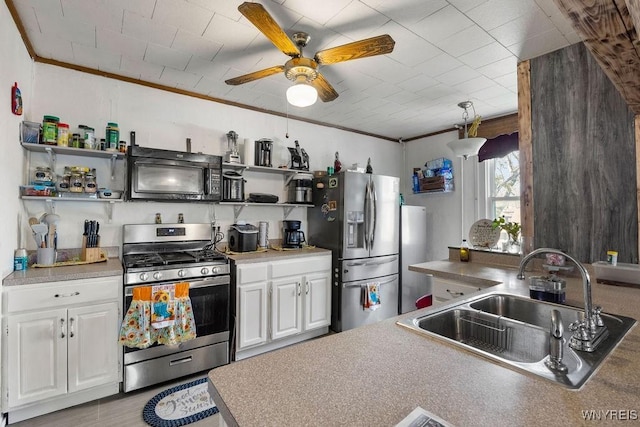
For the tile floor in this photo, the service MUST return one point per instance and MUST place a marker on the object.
(118, 410)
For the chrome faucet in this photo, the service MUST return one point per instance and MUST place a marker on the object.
(589, 332)
(556, 343)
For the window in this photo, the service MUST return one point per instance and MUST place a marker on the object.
(503, 182)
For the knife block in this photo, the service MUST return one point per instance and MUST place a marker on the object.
(89, 254)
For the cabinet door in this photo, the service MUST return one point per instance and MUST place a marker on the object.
(37, 362)
(93, 346)
(446, 290)
(252, 314)
(317, 300)
(286, 315)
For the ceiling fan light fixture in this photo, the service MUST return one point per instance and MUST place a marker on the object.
(302, 94)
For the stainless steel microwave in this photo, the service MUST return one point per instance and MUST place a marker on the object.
(165, 175)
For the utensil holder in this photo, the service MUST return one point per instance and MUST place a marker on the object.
(90, 254)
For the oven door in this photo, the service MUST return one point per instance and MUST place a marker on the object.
(210, 304)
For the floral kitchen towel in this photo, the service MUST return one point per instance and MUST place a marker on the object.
(163, 306)
(137, 330)
(372, 296)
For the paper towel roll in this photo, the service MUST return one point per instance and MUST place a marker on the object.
(248, 152)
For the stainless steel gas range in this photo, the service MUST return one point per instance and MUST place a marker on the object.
(158, 254)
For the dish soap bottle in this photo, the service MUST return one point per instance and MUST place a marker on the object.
(464, 251)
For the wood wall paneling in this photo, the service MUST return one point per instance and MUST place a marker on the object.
(584, 164)
(525, 152)
(607, 29)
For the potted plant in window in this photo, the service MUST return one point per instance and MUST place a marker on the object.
(513, 232)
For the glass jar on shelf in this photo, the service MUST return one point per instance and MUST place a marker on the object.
(76, 182)
(90, 185)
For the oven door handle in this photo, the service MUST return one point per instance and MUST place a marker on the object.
(200, 283)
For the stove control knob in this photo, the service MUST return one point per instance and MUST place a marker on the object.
(157, 275)
(215, 270)
(181, 273)
(204, 271)
(144, 277)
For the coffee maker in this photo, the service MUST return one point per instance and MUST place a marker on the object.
(263, 151)
(292, 237)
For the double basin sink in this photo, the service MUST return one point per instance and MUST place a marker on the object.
(515, 331)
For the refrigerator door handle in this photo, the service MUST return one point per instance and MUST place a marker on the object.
(367, 204)
(374, 214)
(367, 263)
(360, 284)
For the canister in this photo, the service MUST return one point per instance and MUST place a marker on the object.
(50, 130)
(20, 260)
(112, 138)
(76, 182)
(63, 134)
(90, 185)
(89, 136)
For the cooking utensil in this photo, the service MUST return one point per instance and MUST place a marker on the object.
(51, 237)
(40, 230)
(33, 221)
(49, 218)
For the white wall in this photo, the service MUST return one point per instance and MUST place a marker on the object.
(15, 66)
(164, 120)
(446, 225)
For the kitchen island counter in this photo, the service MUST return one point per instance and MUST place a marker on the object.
(377, 374)
(274, 254)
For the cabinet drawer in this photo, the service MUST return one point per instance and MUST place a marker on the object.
(300, 266)
(58, 294)
(444, 290)
(249, 273)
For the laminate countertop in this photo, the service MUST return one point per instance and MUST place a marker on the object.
(274, 254)
(32, 275)
(377, 374)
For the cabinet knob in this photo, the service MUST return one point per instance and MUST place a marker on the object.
(62, 335)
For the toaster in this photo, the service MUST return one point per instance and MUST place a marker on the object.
(242, 238)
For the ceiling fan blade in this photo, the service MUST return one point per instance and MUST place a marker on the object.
(326, 92)
(259, 17)
(255, 75)
(361, 49)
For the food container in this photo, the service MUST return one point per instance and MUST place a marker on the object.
(105, 193)
(622, 273)
(112, 139)
(37, 190)
(90, 185)
(30, 132)
(50, 130)
(63, 135)
(42, 176)
(548, 288)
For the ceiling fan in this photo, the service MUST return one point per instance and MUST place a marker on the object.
(304, 71)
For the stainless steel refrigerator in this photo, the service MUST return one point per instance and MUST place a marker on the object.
(356, 215)
(413, 250)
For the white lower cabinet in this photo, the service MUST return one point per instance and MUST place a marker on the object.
(60, 345)
(282, 301)
(444, 290)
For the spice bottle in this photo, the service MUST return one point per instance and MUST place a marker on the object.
(464, 251)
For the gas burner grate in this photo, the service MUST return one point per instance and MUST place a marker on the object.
(142, 260)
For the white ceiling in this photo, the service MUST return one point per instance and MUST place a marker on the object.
(445, 52)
